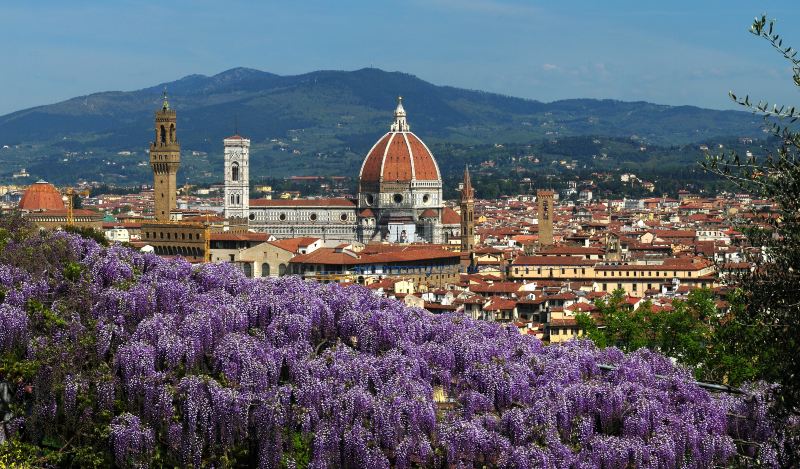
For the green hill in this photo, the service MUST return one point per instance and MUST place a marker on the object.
(320, 122)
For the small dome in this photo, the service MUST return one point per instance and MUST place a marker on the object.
(399, 156)
(41, 196)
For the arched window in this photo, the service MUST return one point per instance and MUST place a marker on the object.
(248, 269)
(282, 270)
(163, 135)
(238, 199)
(265, 269)
(172, 133)
(235, 172)
(232, 200)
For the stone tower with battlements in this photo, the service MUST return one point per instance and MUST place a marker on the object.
(165, 159)
(544, 203)
(237, 177)
(467, 214)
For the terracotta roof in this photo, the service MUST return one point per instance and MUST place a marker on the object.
(333, 256)
(450, 216)
(582, 307)
(429, 213)
(41, 196)
(367, 213)
(552, 260)
(294, 244)
(399, 156)
(245, 236)
(288, 203)
(566, 322)
(78, 212)
(439, 307)
(235, 137)
(569, 251)
(500, 304)
(498, 287)
(669, 264)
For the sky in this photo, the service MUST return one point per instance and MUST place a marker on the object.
(670, 52)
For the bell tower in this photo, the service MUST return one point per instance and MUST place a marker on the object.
(237, 177)
(544, 200)
(467, 214)
(165, 159)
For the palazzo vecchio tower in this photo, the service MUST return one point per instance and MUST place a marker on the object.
(165, 159)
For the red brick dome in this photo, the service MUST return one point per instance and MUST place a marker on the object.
(399, 156)
(41, 196)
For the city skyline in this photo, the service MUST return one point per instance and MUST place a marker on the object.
(683, 53)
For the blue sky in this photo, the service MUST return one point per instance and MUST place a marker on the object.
(675, 52)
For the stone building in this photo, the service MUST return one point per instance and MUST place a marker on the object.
(167, 236)
(399, 197)
(237, 177)
(43, 205)
(544, 202)
(165, 159)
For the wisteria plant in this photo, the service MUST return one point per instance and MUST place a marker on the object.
(115, 357)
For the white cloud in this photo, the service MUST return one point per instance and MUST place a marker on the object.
(549, 67)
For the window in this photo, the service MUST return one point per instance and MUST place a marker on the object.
(264, 269)
(398, 198)
(343, 217)
(252, 216)
(235, 172)
(605, 287)
(163, 134)
(313, 217)
(282, 217)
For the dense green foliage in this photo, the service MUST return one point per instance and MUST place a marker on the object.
(691, 331)
(768, 326)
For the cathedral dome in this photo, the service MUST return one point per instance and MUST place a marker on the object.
(399, 156)
(41, 196)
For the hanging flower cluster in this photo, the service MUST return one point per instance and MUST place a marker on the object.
(202, 366)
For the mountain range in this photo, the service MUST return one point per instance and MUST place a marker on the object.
(325, 113)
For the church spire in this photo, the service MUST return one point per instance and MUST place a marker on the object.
(400, 124)
(466, 188)
(467, 214)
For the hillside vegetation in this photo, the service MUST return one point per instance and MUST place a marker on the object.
(322, 122)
